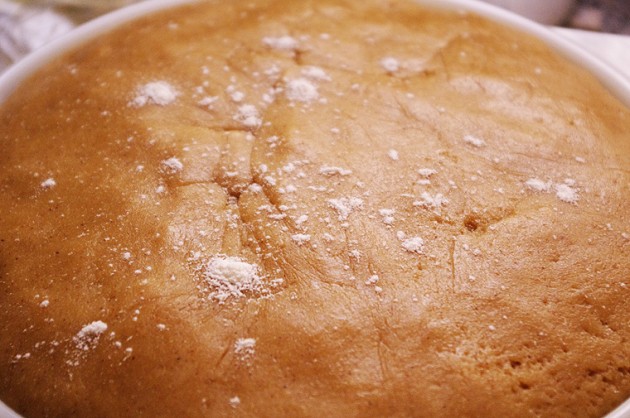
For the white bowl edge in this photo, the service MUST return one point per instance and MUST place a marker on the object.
(36, 60)
(609, 77)
(622, 411)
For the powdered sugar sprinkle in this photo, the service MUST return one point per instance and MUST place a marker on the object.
(159, 93)
(301, 90)
(248, 116)
(301, 239)
(431, 201)
(331, 171)
(566, 191)
(413, 245)
(232, 277)
(390, 64)
(172, 165)
(538, 185)
(315, 73)
(474, 141)
(282, 43)
(245, 348)
(344, 206)
(48, 183)
(89, 335)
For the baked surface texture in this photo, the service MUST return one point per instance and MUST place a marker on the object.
(314, 208)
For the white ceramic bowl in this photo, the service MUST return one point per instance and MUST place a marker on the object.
(609, 77)
(548, 12)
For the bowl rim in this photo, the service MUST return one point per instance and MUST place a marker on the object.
(81, 35)
(607, 75)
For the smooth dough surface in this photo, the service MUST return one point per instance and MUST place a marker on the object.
(314, 208)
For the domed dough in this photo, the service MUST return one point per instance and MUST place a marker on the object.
(314, 208)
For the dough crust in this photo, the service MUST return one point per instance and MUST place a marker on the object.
(314, 208)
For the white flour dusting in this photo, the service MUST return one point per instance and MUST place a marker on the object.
(248, 115)
(538, 185)
(232, 277)
(172, 165)
(344, 206)
(388, 215)
(315, 73)
(427, 172)
(331, 171)
(160, 93)
(474, 141)
(245, 348)
(301, 239)
(390, 64)
(48, 183)
(282, 43)
(301, 90)
(372, 280)
(208, 101)
(89, 335)
(429, 201)
(566, 191)
(235, 401)
(413, 245)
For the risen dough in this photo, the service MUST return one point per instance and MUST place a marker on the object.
(314, 208)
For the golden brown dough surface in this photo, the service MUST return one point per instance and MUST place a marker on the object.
(314, 208)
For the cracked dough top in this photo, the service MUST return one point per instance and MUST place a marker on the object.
(314, 208)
